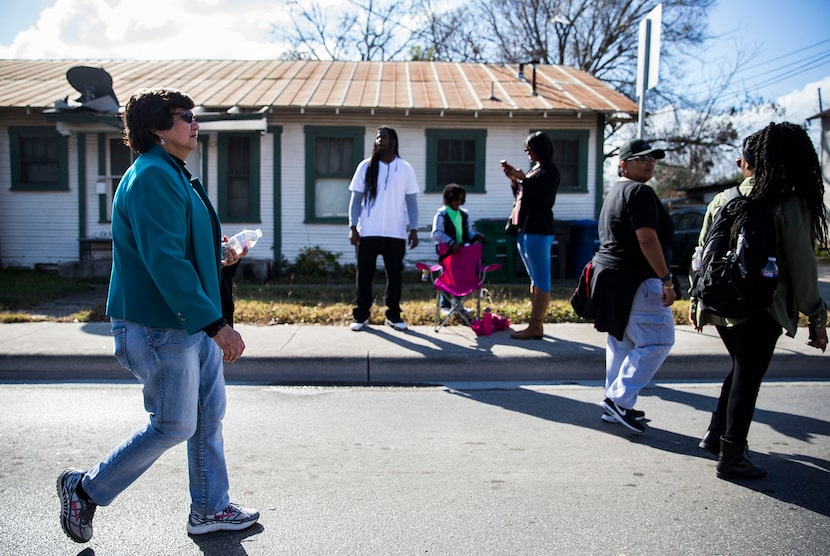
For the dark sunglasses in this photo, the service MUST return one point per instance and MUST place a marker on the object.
(187, 115)
(739, 161)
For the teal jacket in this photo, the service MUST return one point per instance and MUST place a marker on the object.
(166, 265)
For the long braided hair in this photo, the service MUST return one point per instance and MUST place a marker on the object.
(372, 170)
(786, 164)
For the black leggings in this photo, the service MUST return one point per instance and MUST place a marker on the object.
(751, 345)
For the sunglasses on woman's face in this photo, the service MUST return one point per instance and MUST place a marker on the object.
(187, 115)
(642, 158)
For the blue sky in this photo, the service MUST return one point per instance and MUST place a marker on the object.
(788, 43)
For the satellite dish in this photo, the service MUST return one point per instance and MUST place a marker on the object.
(95, 86)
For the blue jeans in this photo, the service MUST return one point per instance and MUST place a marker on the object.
(184, 393)
(534, 249)
(649, 336)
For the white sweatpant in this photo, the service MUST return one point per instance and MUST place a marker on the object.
(649, 336)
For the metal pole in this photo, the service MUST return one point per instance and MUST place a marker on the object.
(642, 105)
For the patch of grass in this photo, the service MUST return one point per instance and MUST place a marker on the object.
(300, 303)
(24, 288)
(332, 304)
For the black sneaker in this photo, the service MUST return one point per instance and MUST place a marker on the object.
(623, 416)
(636, 413)
(76, 513)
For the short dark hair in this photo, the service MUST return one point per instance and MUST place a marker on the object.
(150, 109)
(452, 192)
(539, 142)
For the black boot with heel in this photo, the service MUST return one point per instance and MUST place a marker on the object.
(734, 464)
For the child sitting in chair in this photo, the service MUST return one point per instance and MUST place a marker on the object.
(451, 228)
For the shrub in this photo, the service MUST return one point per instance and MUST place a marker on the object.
(315, 263)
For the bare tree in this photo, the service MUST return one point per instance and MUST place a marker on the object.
(445, 34)
(599, 37)
(355, 29)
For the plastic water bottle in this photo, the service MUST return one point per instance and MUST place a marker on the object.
(697, 258)
(770, 270)
(238, 242)
(425, 275)
(487, 322)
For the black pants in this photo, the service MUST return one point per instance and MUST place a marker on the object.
(751, 345)
(392, 250)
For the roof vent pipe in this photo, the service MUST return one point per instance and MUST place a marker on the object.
(522, 77)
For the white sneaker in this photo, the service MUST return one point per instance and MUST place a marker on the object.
(358, 326)
(232, 518)
(400, 325)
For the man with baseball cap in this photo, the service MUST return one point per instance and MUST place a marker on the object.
(632, 285)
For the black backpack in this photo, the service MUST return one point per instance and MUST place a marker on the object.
(731, 281)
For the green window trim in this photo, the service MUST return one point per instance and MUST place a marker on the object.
(48, 139)
(252, 166)
(581, 137)
(312, 134)
(434, 136)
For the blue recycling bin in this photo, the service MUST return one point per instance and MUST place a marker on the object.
(584, 242)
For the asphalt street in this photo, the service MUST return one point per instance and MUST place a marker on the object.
(468, 468)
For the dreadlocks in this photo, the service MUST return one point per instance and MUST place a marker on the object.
(372, 170)
(786, 164)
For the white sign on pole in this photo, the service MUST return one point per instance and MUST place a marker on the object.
(648, 59)
(648, 53)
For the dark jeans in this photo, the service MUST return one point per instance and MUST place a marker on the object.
(393, 251)
(751, 345)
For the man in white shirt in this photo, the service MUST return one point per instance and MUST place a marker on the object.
(383, 217)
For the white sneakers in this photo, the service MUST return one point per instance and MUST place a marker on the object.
(398, 325)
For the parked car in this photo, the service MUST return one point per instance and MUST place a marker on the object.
(688, 220)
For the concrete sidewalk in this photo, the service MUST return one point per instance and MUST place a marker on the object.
(307, 354)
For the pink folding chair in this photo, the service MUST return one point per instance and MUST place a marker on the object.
(458, 275)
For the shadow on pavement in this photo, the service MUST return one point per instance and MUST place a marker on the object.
(795, 479)
(226, 543)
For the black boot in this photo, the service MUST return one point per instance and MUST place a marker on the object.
(733, 463)
(711, 443)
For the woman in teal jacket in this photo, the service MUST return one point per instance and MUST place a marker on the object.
(166, 311)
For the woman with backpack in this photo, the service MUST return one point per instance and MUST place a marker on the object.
(787, 182)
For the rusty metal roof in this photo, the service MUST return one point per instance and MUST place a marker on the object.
(311, 85)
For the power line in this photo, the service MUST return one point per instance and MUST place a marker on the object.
(776, 74)
(753, 66)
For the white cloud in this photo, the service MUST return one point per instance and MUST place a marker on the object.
(152, 30)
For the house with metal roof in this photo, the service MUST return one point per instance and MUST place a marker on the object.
(824, 154)
(280, 140)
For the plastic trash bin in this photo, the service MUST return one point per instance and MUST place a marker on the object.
(498, 248)
(584, 242)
